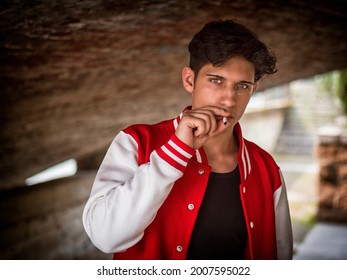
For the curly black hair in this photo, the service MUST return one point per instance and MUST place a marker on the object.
(218, 41)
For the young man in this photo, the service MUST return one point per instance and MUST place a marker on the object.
(193, 187)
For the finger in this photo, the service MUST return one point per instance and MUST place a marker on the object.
(205, 121)
(217, 115)
(213, 119)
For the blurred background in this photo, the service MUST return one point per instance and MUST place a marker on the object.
(73, 73)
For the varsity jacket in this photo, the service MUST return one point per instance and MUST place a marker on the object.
(149, 188)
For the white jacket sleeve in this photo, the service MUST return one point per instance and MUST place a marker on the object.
(125, 197)
(284, 233)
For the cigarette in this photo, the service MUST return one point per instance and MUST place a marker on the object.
(225, 120)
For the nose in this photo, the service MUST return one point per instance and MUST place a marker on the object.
(229, 97)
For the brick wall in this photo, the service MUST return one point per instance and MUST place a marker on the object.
(331, 152)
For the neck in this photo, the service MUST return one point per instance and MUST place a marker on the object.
(222, 143)
(221, 152)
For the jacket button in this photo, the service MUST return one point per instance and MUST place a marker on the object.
(201, 171)
(179, 249)
(190, 206)
(251, 224)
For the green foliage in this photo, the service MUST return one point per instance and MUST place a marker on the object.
(336, 83)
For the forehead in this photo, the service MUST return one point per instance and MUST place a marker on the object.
(236, 68)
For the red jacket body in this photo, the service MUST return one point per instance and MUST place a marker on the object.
(166, 234)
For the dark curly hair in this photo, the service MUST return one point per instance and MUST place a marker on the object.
(218, 41)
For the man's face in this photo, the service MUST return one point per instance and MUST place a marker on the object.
(229, 87)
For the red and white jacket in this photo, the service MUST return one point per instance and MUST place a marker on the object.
(149, 188)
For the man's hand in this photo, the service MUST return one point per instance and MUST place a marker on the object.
(197, 126)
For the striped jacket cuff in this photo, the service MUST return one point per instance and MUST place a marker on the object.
(176, 153)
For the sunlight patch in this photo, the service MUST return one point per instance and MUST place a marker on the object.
(64, 169)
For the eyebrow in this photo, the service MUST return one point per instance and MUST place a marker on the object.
(223, 78)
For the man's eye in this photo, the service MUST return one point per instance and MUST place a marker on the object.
(242, 86)
(216, 81)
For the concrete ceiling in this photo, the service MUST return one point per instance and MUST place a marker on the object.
(74, 72)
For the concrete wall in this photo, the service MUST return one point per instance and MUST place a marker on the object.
(45, 221)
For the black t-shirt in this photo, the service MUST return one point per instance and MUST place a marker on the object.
(220, 230)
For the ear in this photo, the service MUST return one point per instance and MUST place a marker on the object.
(188, 79)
